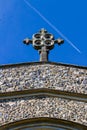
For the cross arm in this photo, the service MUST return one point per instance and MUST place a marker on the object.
(59, 41)
(27, 41)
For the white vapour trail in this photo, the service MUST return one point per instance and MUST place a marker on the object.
(51, 25)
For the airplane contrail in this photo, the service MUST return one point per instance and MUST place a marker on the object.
(52, 26)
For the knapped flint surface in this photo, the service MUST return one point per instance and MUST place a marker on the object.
(17, 109)
(71, 79)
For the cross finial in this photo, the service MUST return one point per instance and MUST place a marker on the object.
(43, 42)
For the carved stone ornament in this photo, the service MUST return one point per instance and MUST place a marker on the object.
(43, 42)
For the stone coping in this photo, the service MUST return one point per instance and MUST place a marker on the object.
(43, 121)
(40, 63)
(44, 93)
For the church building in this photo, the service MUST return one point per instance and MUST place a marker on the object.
(43, 95)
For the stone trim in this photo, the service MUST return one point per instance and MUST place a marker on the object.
(42, 63)
(43, 121)
(44, 93)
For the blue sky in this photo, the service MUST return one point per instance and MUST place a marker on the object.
(18, 21)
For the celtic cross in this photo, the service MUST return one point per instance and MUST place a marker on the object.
(43, 42)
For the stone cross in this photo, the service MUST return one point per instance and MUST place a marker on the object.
(43, 42)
